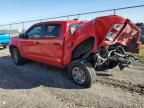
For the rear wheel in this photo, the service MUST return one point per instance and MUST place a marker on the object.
(4, 46)
(18, 60)
(82, 73)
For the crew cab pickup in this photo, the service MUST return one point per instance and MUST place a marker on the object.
(4, 39)
(83, 47)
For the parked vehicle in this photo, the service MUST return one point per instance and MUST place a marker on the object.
(80, 46)
(141, 26)
(4, 39)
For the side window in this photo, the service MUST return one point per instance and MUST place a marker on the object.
(52, 30)
(35, 32)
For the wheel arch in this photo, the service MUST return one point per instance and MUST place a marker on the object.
(83, 48)
(11, 48)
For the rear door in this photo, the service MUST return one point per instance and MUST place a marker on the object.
(31, 45)
(52, 45)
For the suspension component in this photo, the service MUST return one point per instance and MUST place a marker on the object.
(111, 57)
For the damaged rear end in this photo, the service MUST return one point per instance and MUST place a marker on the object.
(123, 36)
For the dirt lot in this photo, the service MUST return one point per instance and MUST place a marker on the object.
(36, 85)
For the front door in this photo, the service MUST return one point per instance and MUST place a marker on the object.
(31, 44)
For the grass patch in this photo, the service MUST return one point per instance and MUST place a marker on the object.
(141, 53)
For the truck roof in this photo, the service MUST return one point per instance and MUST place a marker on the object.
(63, 21)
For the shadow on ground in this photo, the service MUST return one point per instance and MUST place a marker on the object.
(32, 75)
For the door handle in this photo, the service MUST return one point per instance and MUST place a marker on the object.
(57, 44)
(36, 42)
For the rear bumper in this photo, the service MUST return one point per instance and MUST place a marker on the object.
(129, 37)
(132, 41)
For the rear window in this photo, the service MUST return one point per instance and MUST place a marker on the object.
(52, 30)
(76, 26)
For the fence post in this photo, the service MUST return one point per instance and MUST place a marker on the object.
(67, 17)
(78, 16)
(23, 27)
(114, 11)
(10, 29)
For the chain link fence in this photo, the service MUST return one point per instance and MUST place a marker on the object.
(128, 12)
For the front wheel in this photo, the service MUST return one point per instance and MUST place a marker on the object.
(18, 60)
(83, 73)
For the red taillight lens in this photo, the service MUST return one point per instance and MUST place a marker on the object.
(113, 32)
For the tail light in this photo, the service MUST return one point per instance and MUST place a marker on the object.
(114, 31)
(110, 36)
(118, 27)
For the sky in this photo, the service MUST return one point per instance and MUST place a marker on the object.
(22, 10)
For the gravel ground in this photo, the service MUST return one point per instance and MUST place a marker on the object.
(36, 85)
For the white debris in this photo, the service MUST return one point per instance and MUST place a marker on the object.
(3, 102)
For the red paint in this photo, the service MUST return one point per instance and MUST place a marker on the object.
(58, 51)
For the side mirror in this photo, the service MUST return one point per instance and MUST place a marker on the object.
(22, 35)
(72, 30)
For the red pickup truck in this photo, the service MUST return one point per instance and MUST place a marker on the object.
(83, 47)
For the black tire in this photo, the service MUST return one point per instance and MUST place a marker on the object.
(4, 47)
(18, 60)
(89, 71)
(112, 64)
